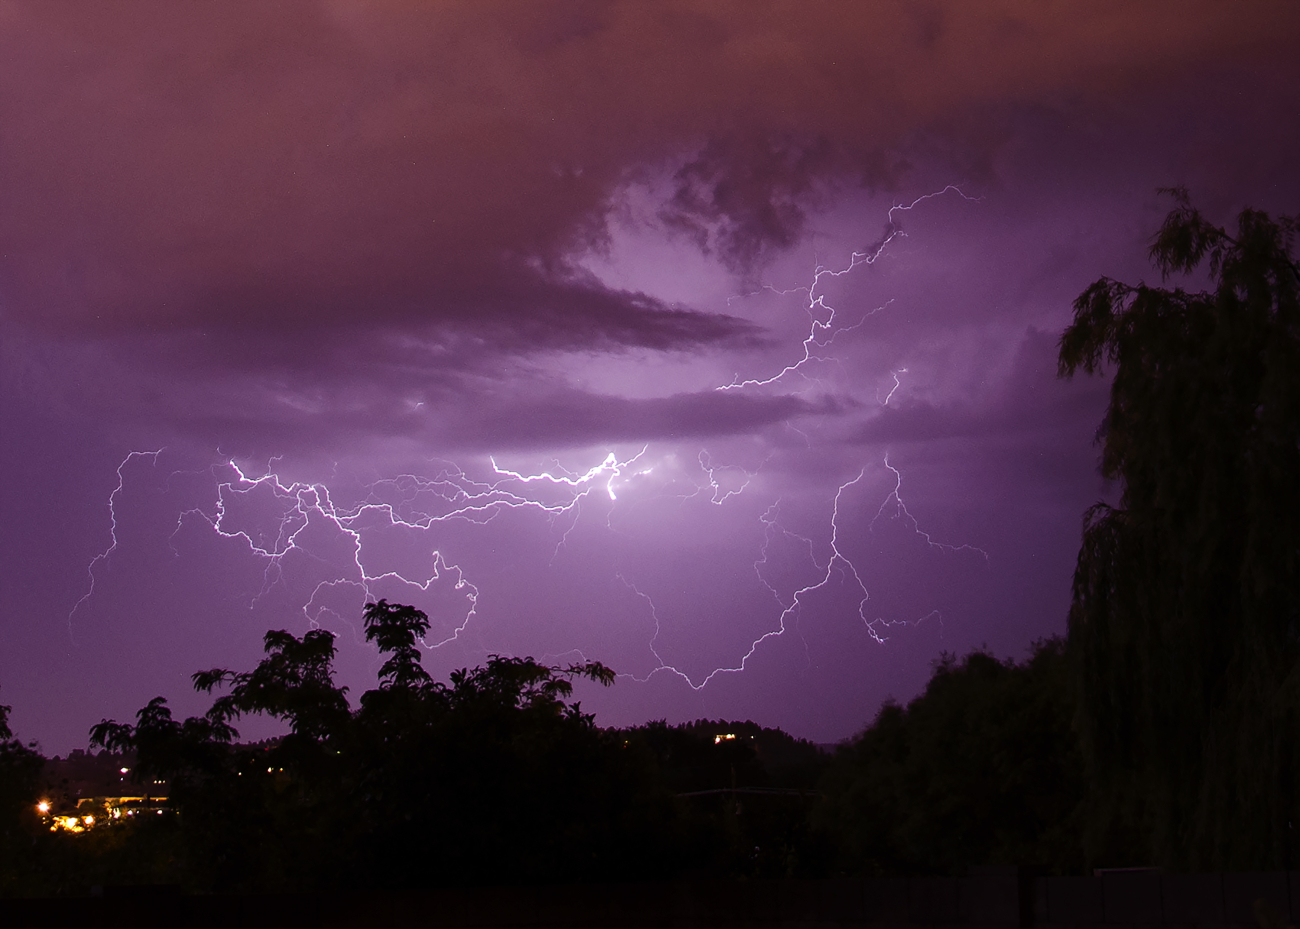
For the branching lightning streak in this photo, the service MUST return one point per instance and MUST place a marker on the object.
(900, 510)
(719, 495)
(610, 464)
(301, 503)
(817, 326)
(897, 384)
(823, 329)
(452, 495)
(112, 532)
(468, 500)
(838, 562)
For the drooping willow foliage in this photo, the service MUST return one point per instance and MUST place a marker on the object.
(1185, 622)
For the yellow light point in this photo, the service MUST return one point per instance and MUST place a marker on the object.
(90, 820)
(43, 807)
(718, 739)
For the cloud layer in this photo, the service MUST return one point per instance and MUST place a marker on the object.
(435, 167)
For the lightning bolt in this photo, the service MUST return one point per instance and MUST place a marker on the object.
(458, 498)
(409, 502)
(823, 328)
(901, 512)
(897, 384)
(720, 496)
(837, 564)
(107, 553)
(610, 465)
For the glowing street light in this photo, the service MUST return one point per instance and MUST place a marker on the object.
(43, 807)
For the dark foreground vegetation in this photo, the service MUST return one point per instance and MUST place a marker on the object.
(497, 777)
(1162, 731)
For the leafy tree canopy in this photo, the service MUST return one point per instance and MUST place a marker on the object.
(20, 767)
(494, 775)
(1185, 618)
(980, 769)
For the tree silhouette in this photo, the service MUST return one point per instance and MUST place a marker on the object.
(495, 775)
(982, 768)
(20, 768)
(1185, 617)
(167, 750)
(295, 682)
(395, 629)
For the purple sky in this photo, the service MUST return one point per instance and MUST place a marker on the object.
(484, 307)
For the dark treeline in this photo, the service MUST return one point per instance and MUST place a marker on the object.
(1163, 730)
(982, 769)
(497, 777)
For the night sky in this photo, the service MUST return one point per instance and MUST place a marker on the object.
(712, 341)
